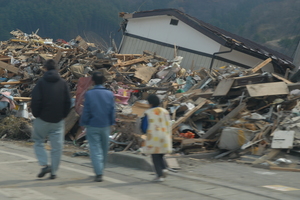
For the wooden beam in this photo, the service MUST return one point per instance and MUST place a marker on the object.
(267, 89)
(58, 55)
(223, 87)
(188, 114)
(22, 98)
(213, 130)
(9, 67)
(70, 120)
(11, 83)
(281, 78)
(285, 169)
(261, 65)
(127, 55)
(270, 155)
(134, 61)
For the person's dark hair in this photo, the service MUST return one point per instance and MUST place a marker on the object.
(50, 64)
(153, 100)
(98, 78)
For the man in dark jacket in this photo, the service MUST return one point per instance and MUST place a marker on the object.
(50, 104)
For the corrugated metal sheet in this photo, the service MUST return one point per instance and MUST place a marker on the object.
(137, 46)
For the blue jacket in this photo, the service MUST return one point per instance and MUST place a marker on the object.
(99, 108)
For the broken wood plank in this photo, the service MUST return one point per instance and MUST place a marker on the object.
(284, 169)
(261, 65)
(70, 120)
(128, 146)
(9, 67)
(22, 98)
(213, 130)
(270, 155)
(281, 78)
(267, 89)
(58, 55)
(188, 114)
(144, 72)
(134, 61)
(157, 57)
(81, 42)
(11, 83)
(126, 56)
(223, 87)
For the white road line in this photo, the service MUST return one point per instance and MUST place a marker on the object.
(24, 194)
(30, 159)
(100, 193)
(15, 154)
(19, 161)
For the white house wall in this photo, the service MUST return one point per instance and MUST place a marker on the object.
(194, 61)
(246, 59)
(159, 28)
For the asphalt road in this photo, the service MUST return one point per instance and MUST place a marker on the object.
(75, 181)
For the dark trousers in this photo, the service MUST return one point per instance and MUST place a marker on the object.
(159, 163)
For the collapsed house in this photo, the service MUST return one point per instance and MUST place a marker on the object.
(201, 44)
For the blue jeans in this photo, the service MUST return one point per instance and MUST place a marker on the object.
(55, 132)
(98, 139)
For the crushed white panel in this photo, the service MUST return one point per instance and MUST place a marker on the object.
(24, 194)
(99, 192)
(283, 139)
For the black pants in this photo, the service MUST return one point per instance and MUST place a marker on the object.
(159, 163)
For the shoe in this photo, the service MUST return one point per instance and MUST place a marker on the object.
(165, 173)
(158, 179)
(44, 171)
(98, 178)
(52, 176)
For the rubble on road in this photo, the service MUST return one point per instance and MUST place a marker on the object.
(238, 112)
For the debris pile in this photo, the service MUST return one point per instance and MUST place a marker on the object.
(236, 110)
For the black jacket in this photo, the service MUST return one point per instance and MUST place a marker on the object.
(51, 99)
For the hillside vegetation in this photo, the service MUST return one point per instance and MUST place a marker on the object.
(274, 23)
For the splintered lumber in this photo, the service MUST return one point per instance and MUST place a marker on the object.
(82, 43)
(267, 89)
(261, 65)
(126, 56)
(213, 130)
(157, 57)
(70, 120)
(281, 78)
(127, 147)
(223, 87)
(22, 98)
(270, 155)
(11, 83)
(188, 114)
(9, 67)
(58, 56)
(134, 61)
(284, 169)
(144, 72)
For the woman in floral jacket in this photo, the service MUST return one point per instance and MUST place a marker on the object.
(157, 125)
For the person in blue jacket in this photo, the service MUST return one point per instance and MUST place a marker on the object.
(97, 116)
